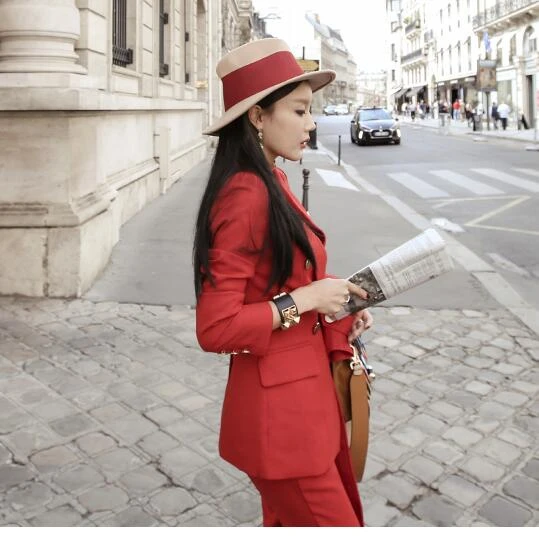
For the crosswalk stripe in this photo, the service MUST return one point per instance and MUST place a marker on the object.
(526, 171)
(465, 182)
(421, 188)
(508, 179)
(335, 178)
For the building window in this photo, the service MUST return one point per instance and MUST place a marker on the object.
(163, 39)
(442, 61)
(188, 48)
(512, 48)
(448, 17)
(530, 41)
(121, 54)
(468, 8)
(393, 75)
(499, 53)
(450, 61)
(393, 52)
(459, 57)
(469, 54)
(441, 22)
(458, 13)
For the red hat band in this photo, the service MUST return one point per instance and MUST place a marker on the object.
(259, 75)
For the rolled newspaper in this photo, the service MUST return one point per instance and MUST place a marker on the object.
(412, 263)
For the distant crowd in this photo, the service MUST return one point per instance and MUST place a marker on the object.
(458, 110)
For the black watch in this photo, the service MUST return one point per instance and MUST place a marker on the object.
(288, 310)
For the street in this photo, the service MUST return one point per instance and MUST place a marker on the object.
(489, 190)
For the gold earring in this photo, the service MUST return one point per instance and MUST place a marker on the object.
(261, 139)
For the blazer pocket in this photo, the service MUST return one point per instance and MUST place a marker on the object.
(288, 365)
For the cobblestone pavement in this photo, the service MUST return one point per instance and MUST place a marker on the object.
(109, 416)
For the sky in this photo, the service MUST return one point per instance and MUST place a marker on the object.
(361, 24)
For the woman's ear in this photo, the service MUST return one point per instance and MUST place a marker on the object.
(255, 116)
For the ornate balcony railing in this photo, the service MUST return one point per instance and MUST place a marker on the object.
(414, 25)
(412, 56)
(499, 10)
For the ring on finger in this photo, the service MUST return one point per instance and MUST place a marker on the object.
(347, 298)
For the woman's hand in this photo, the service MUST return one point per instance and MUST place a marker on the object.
(363, 321)
(326, 296)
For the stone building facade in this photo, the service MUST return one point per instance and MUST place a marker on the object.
(102, 105)
(435, 46)
(509, 34)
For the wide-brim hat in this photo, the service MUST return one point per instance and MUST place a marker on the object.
(256, 69)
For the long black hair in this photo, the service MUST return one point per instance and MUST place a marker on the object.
(238, 149)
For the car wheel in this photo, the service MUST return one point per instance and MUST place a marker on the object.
(397, 142)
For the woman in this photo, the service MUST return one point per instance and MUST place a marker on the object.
(262, 291)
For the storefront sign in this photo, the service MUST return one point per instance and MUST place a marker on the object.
(486, 75)
(309, 65)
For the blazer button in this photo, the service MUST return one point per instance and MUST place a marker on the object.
(316, 327)
(307, 264)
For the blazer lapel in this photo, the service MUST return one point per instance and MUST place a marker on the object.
(298, 206)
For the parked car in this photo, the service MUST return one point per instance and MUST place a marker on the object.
(330, 109)
(342, 109)
(371, 125)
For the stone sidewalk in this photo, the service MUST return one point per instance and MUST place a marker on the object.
(109, 415)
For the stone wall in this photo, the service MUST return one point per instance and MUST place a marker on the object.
(85, 144)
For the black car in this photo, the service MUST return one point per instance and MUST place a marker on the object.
(374, 125)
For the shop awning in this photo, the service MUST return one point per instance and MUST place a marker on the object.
(412, 92)
(400, 92)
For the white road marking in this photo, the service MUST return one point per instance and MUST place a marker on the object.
(474, 199)
(525, 184)
(335, 178)
(498, 210)
(526, 171)
(447, 225)
(421, 188)
(465, 182)
(506, 264)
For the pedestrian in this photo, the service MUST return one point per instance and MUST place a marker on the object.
(404, 108)
(468, 112)
(456, 110)
(494, 114)
(412, 110)
(443, 113)
(260, 267)
(503, 114)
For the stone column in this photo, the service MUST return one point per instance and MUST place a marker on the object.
(38, 36)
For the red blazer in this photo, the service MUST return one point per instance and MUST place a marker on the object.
(280, 414)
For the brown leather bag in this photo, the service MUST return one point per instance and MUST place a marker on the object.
(352, 378)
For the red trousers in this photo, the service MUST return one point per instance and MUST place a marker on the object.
(316, 501)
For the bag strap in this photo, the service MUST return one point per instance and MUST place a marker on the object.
(359, 393)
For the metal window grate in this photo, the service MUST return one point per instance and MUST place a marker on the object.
(163, 19)
(121, 55)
